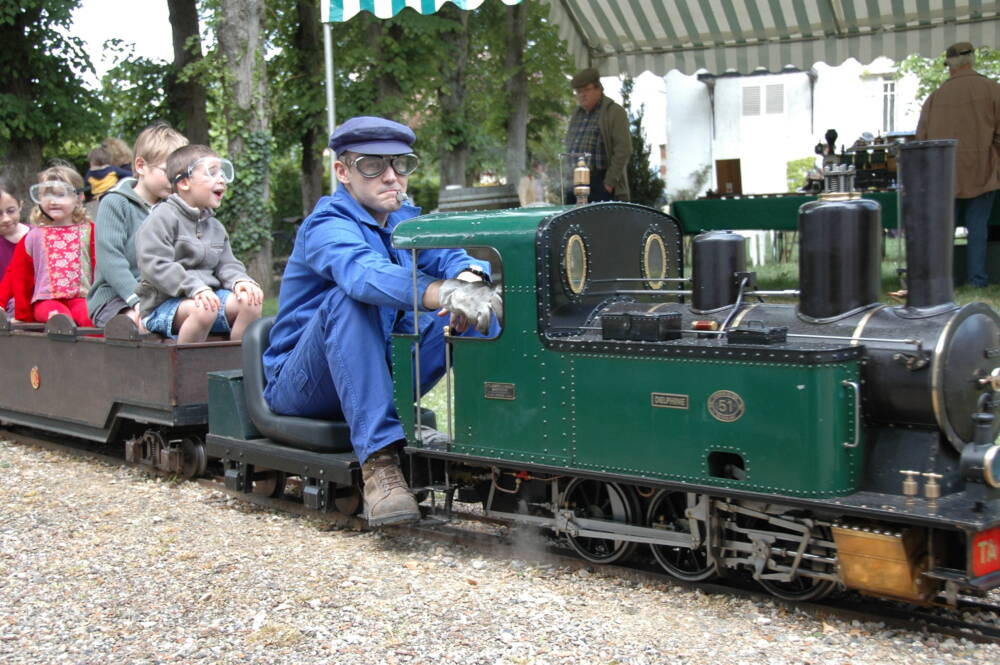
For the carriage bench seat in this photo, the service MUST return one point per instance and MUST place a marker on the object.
(319, 436)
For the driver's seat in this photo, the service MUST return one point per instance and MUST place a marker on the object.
(319, 436)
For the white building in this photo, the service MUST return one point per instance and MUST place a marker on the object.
(766, 120)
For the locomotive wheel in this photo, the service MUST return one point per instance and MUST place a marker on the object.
(605, 501)
(803, 588)
(347, 500)
(195, 458)
(269, 482)
(667, 511)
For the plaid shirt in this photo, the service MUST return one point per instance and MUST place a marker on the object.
(584, 135)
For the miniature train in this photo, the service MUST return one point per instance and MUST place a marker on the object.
(834, 443)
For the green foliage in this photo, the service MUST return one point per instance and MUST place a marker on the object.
(645, 184)
(245, 215)
(42, 94)
(699, 177)
(134, 90)
(796, 170)
(932, 72)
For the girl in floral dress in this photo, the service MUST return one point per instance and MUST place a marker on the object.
(53, 266)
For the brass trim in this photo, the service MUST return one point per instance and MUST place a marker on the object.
(839, 196)
(669, 401)
(860, 328)
(739, 317)
(717, 406)
(988, 459)
(499, 390)
(576, 285)
(655, 284)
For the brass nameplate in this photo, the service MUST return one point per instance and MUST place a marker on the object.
(726, 406)
(669, 401)
(495, 390)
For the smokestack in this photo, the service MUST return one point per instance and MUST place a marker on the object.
(927, 216)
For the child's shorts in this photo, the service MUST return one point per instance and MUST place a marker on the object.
(161, 321)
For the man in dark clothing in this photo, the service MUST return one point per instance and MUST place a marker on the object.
(967, 107)
(599, 127)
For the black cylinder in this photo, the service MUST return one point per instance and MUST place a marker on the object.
(927, 216)
(716, 257)
(840, 254)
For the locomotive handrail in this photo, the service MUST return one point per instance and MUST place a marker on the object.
(857, 412)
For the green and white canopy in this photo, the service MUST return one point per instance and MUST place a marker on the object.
(632, 36)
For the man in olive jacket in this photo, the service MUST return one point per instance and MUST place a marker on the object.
(967, 107)
(599, 126)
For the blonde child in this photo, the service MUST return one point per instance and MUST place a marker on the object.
(122, 212)
(53, 265)
(12, 229)
(188, 274)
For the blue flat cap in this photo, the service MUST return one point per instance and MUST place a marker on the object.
(372, 136)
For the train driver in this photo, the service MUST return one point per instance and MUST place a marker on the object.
(345, 290)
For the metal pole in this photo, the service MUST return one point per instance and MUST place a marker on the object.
(331, 115)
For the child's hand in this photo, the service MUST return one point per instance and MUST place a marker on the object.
(207, 299)
(249, 293)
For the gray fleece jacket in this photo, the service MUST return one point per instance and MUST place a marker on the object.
(183, 250)
(121, 213)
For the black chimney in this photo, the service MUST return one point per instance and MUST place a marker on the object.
(927, 216)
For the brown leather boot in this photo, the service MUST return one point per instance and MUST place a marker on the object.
(388, 499)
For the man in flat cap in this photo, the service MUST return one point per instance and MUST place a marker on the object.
(967, 107)
(346, 289)
(599, 126)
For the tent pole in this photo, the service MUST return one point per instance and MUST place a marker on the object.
(331, 116)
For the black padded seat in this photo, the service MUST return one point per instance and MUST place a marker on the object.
(319, 436)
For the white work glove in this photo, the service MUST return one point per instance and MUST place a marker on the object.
(472, 300)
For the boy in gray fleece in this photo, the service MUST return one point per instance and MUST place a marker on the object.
(121, 212)
(190, 284)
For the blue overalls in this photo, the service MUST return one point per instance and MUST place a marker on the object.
(344, 292)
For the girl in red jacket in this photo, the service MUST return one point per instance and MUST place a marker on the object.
(53, 266)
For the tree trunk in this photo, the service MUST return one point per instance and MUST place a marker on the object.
(188, 95)
(241, 35)
(23, 158)
(388, 92)
(309, 42)
(21, 164)
(517, 93)
(451, 97)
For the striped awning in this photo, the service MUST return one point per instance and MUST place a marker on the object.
(338, 11)
(632, 36)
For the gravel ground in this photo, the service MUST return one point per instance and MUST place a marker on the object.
(102, 564)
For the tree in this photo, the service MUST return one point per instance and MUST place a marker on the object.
(932, 72)
(246, 213)
(43, 99)
(644, 182)
(185, 89)
(297, 86)
(517, 92)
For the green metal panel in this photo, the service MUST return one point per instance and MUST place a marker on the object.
(227, 406)
(790, 436)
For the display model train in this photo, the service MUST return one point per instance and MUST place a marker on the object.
(789, 442)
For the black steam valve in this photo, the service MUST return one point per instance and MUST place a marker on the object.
(980, 462)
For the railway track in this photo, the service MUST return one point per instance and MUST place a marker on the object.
(973, 619)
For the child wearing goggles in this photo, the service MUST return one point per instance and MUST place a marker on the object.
(12, 229)
(53, 266)
(190, 283)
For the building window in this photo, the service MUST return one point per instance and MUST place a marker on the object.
(751, 100)
(888, 106)
(776, 98)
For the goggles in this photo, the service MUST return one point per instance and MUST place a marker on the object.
(208, 168)
(372, 166)
(53, 189)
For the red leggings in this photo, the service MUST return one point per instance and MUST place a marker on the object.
(75, 308)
